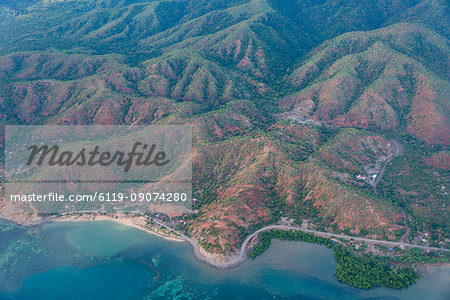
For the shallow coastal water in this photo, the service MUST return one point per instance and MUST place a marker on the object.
(110, 261)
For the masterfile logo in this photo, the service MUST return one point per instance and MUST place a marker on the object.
(120, 153)
(98, 168)
(52, 156)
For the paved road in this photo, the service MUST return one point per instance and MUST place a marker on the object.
(242, 255)
(25, 222)
(408, 229)
(397, 150)
(233, 261)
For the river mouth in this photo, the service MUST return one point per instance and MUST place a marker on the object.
(51, 261)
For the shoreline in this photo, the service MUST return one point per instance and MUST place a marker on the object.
(215, 260)
(134, 222)
(430, 268)
(220, 262)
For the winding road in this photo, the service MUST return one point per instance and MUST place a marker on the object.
(242, 255)
(408, 229)
(397, 150)
(25, 222)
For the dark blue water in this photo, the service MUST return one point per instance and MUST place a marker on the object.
(105, 260)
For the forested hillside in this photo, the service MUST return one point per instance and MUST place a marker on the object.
(290, 102)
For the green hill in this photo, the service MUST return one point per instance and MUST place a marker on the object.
(289, 101)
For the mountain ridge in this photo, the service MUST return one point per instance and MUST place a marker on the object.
(289, 102)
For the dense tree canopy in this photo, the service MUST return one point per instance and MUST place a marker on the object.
(357, 271)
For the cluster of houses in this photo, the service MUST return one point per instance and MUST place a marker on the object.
(444, 189)
(361, 177)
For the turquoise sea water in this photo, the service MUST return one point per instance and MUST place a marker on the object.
(105, 260)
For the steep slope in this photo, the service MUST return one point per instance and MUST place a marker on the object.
(326, 19)
(386, 79)
(58, 88)
(193, 62)
(186, 75)
(248, 181)
(252, 38)
(99, 25)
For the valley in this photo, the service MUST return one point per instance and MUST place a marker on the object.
(294, 105)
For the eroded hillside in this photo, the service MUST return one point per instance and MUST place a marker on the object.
(295, 105)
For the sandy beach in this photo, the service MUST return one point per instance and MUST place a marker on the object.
(135, 222)
(218, 261)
